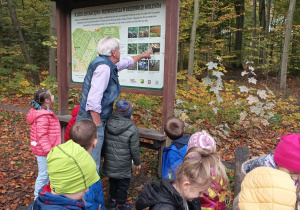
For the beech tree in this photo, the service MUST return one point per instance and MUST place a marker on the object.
(239, 10)
(285, 53)
(193, 38)
(52, 50)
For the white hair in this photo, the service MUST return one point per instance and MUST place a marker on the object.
(106, 45)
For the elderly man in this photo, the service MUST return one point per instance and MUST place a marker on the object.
(101, 86)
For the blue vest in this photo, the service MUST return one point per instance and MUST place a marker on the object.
(111, 93)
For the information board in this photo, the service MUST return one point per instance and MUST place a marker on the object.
(140, 26)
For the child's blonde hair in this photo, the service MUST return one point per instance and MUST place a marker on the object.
(207, 143)
(199, 165)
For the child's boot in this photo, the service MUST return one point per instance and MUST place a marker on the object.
(112, 204)
(124, 206)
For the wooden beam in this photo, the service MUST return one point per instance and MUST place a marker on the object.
(62, 57)
(171, 51)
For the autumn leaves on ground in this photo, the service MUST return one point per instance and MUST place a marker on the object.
(18, 164)
(18, 170)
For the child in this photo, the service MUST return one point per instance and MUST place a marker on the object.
(72, 171)
(84, 133)
(45, 133)
(173, 155)
(214, 197)
(193, 178)
(285, 158)
(71, 122)
(121, 146)
(267, 188)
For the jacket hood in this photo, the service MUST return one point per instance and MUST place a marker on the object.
(163, 193)
(117, 124)
(46, 200)
(33, 114)
(179, 143)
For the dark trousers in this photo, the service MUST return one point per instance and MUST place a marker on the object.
(118, 189)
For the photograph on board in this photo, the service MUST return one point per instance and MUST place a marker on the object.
(132, 48)
(153, 65)
(143, 31)
(155, 47)
(143, 65)
(133, 32)
(154, 31)
(143, 48)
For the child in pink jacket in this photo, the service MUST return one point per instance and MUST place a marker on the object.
(45, 133)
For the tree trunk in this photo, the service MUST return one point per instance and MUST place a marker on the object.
(181, 51)
(193, 39)
(52, 51)
(1, 42)
(211, 31)
(25, 51)
(229, 42)
(239, 11)
(262, 20)
(285, 53)
(254, 28)
(265, 60)
(262, 14)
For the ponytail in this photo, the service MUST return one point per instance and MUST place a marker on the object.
(39, 99)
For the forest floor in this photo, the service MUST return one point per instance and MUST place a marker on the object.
(19, 169)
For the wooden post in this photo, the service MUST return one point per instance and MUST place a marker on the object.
(241, 155)
(170, 74)
(62, 57)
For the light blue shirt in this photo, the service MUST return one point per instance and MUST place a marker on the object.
(100, 81)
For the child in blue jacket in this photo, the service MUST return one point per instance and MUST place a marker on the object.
(173, 155)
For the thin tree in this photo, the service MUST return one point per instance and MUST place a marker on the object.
(285, 53)
(239, 11)
(22, 42)
(193, 39)
(262, 20)
(265, 61)
(52, 50)
(254, 28)
(211, 30)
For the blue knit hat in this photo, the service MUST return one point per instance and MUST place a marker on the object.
(124, 108)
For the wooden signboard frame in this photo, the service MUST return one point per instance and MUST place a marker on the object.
(63, 11)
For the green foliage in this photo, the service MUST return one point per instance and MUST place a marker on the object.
(15, 83)
(230, 175)
(33, 68)
(34, 23)
(276, 121)
(74, 96)
(52, 44)
(230, 189)
(51, 84)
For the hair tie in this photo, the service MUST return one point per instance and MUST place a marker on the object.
(35, 105)
(197, 157)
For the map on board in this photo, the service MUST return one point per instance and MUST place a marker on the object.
(84, 44)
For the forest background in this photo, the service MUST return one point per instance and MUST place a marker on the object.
(238, 78)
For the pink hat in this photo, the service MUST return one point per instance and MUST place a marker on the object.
(287, 152)
(202, 140)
